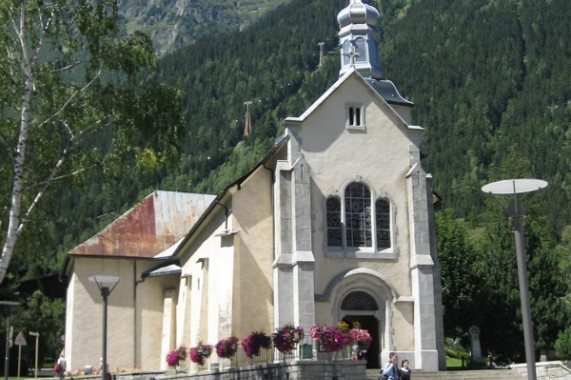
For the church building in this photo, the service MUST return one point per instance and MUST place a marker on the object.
(335, 223)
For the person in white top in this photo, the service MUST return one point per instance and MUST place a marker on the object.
(61, 366)
(390, 370)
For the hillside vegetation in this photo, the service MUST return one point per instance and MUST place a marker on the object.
(491, 84)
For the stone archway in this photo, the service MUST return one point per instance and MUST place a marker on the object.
(361, 307)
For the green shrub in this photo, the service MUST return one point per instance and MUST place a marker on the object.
(563, 344)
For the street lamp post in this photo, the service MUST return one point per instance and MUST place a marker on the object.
(37, 336)
(516, 213)
(8, 305)
(106, 284)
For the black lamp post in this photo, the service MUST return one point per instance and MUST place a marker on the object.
(8, 305)
(106, 284)
(516, 213)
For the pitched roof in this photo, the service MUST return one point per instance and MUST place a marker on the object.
(156, 223)
(383, 90)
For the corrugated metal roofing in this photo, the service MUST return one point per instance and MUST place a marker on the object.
(155, 224)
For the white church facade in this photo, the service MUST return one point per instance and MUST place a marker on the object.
(334, 223)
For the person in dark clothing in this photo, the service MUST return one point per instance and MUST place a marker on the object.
(404, 371)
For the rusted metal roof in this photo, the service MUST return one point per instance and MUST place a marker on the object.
(156, 223)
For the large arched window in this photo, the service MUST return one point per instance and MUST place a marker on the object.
(359, 223)
(358, 215)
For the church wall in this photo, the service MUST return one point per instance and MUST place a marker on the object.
(207, 266)
(152, 344)
(229, 268)
(380, 156)
(253, 219)
(84, 315)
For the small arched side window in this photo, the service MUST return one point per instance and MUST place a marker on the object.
(383, 222)
(334, 222)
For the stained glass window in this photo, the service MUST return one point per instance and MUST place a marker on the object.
(333, 222)
(383, 220)
(358, 215)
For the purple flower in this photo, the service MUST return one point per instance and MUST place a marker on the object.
(254, 342)
(286, 337)
(200, 352)
(175, 356)
(226, 348)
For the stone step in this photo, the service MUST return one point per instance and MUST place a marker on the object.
(497, 374)
(494, 374)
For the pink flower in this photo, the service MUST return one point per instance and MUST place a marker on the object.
(226, 348)
(286, 337)
(254, 342)
(175, 356)
(331, 338)
(200, 352)
(361, 337)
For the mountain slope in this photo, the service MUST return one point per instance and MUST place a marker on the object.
(173, 24)
(488, 79)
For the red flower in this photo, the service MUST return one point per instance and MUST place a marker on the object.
(254, 342)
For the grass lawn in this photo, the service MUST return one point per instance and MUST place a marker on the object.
(454, 363)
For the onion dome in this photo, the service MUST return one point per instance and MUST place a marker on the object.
(358, 13)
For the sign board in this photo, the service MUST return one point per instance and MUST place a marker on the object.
(20, 340)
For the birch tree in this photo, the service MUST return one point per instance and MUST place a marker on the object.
(71, 99)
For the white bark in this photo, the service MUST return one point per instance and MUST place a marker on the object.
(15, 222)
(30, 40)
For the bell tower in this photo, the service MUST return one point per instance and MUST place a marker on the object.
(359, 39)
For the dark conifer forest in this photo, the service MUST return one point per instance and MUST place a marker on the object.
(491, 83)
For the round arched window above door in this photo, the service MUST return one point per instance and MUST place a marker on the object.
(359, 301)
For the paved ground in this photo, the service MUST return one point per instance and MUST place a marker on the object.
(372, 374)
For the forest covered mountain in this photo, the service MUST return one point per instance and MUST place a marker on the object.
(172, 24)
(491, 81)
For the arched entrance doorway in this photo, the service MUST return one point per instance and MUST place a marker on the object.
(361, 307)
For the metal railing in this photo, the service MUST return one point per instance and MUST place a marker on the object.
(304, 350)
